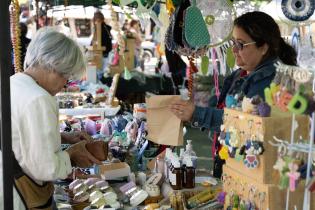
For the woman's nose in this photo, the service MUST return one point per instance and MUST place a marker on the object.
(234, 49)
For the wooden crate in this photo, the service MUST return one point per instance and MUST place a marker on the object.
(278, 125)
(275, 199)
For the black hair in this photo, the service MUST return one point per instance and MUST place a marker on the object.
(23, 28)
(263, 29)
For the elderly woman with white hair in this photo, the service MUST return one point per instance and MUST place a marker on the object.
(51, 60)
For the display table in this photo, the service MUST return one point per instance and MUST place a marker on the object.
(107, 111)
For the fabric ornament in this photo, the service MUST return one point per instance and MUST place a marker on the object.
(298, 10)
(247, 105)
(251, 161)
(196, 32)
(224, 153)
(227, 139)
(264, 109)
(293, 176)
(221, 197)
(239, 157)
(230, 101)
(234, 137)
(204, 65)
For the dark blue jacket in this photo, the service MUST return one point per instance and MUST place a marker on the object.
(250, 85)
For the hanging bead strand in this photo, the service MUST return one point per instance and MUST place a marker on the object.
(15, 35)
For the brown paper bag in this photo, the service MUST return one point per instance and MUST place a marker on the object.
(163, 126)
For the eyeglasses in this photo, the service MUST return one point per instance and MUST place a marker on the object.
(240, 46)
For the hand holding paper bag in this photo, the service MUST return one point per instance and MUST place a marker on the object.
(163, 126)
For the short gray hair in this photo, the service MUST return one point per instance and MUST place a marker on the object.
(53, 51)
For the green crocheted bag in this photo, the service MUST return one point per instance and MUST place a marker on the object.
(195, 29)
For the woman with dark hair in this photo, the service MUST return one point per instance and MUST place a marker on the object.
(106, 39)
(257, 46)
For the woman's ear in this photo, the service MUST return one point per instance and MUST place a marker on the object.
(264, 49)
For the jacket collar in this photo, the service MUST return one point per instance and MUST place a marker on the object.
(266, 69)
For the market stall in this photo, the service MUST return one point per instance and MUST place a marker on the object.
(263, 140)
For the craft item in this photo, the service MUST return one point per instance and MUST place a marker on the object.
(98, 203)
(90, 127)
(107, 127)
(92, 188)
(110, 197)
(152, 189)
(264, 110)
(138, 198)
(283, 98)
(251, 161)
(80, 187)
(91, 181)
(132, 129)
(238, 156)
(224, 153)
(152, 206)
(298, 104)
(196, 35)
(293, 175)
(101, 184)
(141, 178)
(227, 139)
(297, 11)
(234, 138)
(99, 149)
(221, 197)
(247, 105)
(204, 65)
(126, 187)
(81, 196)
(15, 35)
(74, 183)
(95, 195)
(155, 179)
(201, 197)
(112, 171)
(230, 101)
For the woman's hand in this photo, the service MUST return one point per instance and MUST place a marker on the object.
(75, 137)
(80, 156)
(183, 109)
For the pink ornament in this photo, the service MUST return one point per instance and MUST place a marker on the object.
(293, 175)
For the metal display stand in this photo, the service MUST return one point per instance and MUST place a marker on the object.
(5, 116)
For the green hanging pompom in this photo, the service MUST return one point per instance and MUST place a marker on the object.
(230, 59)
(127, 75)
(204, 65)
